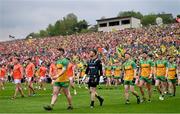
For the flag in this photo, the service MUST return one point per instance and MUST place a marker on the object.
(10, 36)
(120, 50)
(163, 48)
(173, 50)
(114, 30)
(111, 60)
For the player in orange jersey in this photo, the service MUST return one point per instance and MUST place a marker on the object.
(42, 76)
(2, 76)
(29, 72)
(17, 74)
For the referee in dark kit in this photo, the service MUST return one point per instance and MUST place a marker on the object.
(94, 71)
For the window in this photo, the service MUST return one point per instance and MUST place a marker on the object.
(103, 25)
(123, 22)
(114, 23)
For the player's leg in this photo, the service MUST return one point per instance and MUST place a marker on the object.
(101, 100)
(157, 84)
(93, 93)
(40, 83)
(137, 81)
(126, 93)
(116, 82)
(108, 82)
(149, 89)
(78, 79)
(68, 96)
(20, 89)
(141, 83)
(30, 86)
(56, 89)
(72, 84)
(166, 87)
(1, 84)
(134, 93)
(174, 87)
(15, 92)
(85, 82)
(24, 83)
(170, 87)
(44, 83)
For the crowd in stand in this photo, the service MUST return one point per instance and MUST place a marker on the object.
(152, 39)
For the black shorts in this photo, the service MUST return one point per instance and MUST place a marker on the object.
(93, 81)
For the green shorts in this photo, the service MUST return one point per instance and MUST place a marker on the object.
(172, 80)
(116, 77)
(109, 76)
(128, 82)
(161, 78)
(62, 84)
(146, 79)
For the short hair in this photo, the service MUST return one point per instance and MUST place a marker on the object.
(127, 53)
(150, 55)
(68, 58)
(17, 58)
(94, 51)
(170, 57)
(145, 52)
(29, 59)
(61, 49)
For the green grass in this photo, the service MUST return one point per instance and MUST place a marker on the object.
(114, 102)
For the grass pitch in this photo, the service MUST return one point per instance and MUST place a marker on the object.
(114, 102)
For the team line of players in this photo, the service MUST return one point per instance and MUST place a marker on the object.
(164, 72)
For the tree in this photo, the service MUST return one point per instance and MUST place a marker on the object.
(50, 30)
(149, 19)
(43, 33)
(130, 13)
(70, 22)
(83, 24)
(167, 18)
(57, 28)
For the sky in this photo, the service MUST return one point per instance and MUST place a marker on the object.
(21, 17)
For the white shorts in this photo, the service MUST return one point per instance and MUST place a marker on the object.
(2, 79)
(84, 78)
(42, 79)
(178, 77)
(17, 81)
(29, 79)
(70, 78)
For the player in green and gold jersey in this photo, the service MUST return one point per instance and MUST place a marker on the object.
(61, 81)
(117, 71)
(108, 74)
(129, 68)
(171, 72)
(145, 74)
(160, 73)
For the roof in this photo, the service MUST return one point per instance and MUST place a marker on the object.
(106, 19)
